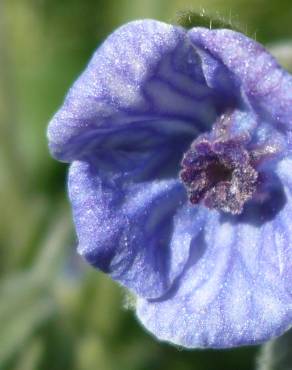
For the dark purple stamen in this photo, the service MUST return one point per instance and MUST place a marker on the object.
(218, 171)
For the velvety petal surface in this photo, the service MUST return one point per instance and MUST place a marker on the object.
(267, 86)
(125, 226)
(146, 74)
(237, 286)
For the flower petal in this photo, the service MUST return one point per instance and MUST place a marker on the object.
(238, 291)
(124, 221)
(263, 81)
(146, 73)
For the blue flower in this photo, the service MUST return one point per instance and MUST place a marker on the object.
(181, 179)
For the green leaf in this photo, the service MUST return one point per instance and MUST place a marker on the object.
(54, 246)
(17, 331)
(31, 355)
(27, 297)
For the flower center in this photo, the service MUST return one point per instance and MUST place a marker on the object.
(218, 171)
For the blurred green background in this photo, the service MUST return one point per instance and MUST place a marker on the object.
(57, 313)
